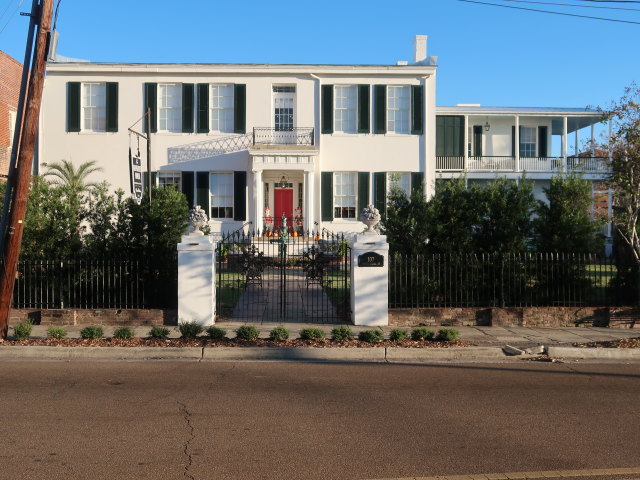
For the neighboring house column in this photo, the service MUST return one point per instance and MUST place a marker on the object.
(466, 143)
(258, 192)
(576, 146)
(308, 200)
(593, 141)
(564, 142)
(517, 144)
(609, 143)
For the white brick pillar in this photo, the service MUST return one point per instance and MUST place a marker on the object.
(197, 279)
(370, 280)
(308, 201)
(258, 201)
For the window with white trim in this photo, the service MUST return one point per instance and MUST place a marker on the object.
(221, 108)
(398, 108)
(401, 180)
(346, 103)
(527, 141)
(170, 107)
(94, 107)
(170, 179)
(12, 127)
(221, 195)
(345, 200)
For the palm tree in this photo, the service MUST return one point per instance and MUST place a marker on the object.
(65, 173)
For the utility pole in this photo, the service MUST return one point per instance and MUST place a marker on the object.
(22, 172)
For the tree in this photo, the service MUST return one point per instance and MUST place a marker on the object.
(65, 173)
(563, 224)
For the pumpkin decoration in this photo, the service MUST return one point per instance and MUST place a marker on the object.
(294, 234)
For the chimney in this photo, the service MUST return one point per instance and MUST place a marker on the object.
(420, 49)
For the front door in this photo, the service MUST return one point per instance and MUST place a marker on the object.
(283, 203)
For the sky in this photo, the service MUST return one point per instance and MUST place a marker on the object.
(494, 56)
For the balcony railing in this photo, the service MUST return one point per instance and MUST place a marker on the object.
(290, 136)
(528, 164)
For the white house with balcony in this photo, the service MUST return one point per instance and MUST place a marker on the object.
(250, 143)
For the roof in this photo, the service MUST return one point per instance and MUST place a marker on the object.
(480, 110)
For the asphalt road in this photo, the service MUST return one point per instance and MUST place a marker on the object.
(176, 420)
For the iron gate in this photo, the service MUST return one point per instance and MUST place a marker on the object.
(285, 276)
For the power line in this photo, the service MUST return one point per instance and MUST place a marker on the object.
(552, 12)
(610, 1)
(6, 8)
(11, 16)
(574, 5)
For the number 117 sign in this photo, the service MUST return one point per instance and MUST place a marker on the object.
(136, 178)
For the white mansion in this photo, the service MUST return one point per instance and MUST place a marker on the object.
(316, 143)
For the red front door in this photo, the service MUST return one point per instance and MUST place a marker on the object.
(283, 199)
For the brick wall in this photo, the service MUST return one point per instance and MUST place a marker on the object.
(10, 76)
(111, 317)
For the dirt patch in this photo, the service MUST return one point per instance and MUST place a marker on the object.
(621, 343)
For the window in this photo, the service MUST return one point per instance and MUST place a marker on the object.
(222, 108)
(527, 142)
(94, 107)
(399, 180)
(398, 109)
(12, 125)
(170, 179)
(221, 190)
(344, 194)
(346, 100)
(170, 107)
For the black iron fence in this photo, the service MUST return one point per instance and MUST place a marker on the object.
(96, 283)
(506, 280)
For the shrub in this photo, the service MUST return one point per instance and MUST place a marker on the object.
(421, 333)
(190, 329)
(123, 332)
(56, 332)
(92, 332)
(342, 333)
(247, 332)
(216, 333)
(158, 332)
(278, 334)
(448, 335)
(371, 336)
(398, 334)
(311, 333)
(22, 330)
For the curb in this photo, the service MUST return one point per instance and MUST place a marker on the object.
(594, 353)
(303, 354)
(100, 353)
(425, 355)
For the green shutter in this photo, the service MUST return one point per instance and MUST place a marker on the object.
(417, 110)
(112, 106)
(187, 187)
(203, 108)
(379, 109)
(380, 191)
(326, 196)
(154, 179)
(187, 107)
(417, 179)
(202, 191)
(327, 109)
(440, 136)
(363, 192)
(239, 196)
(542, 141)
(477, 140)
(145, 180)
(151, 103)
(240, 108)
(513, 140)
(73, 106)
(364, 109)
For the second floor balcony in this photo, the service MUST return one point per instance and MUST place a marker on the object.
(510, 164)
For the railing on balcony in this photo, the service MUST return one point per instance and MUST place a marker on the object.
(527, 164)
(290, 136)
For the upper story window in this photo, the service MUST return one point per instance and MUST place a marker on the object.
(94, 105)
(170, 179)
(398, 109)
(527, 142)
(401, 180)
(221, 195)
(170, 107)
(12, 127)
(345, 186)
(222, 108)
(346, 102)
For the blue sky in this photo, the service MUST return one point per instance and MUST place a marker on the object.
(487, 55)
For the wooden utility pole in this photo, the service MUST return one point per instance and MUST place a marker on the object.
(24, 164)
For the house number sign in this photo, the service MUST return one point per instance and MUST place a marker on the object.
(370, 259)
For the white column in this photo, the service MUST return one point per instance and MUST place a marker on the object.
(197, 279)
(609, 143)
(309, 203)
(466, 143)
(565, 129)
(577, 144)
(258, 201)
(593, 141)
(370, 280)
(517, 144)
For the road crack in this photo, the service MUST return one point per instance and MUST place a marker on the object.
(187, 445)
